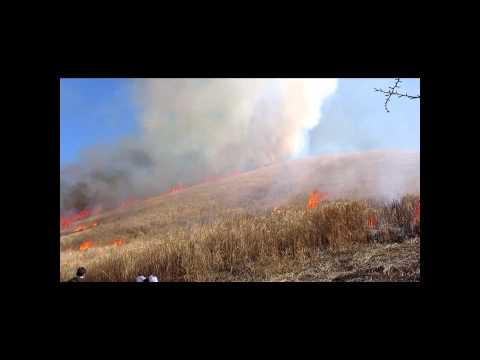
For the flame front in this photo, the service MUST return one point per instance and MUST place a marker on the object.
(177, 188)
(315, 198)
(66, 221)
(371, 221)
(117, 242)
(86, 245)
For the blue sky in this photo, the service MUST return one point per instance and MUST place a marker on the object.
(103, 111)
(94, 112)
(354, 118)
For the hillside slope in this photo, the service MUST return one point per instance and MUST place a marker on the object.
(377, 174)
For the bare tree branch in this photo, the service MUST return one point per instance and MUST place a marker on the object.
(393, 91)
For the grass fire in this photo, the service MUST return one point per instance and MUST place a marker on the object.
(237, 180)
(314, 199)
(246, 234)
(87, 244)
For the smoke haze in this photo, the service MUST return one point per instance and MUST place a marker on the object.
(197, 128)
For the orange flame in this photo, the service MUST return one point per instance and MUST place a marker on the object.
(177, 188)
(117, 242)
(371, 222)
(315, 198)
(66, 221)
(86, 245)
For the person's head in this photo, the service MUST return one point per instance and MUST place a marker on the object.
(81, 271)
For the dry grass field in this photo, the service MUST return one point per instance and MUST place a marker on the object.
(255, 226)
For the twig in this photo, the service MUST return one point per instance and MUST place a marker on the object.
(393, 91)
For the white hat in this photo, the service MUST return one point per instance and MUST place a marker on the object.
(140, 278)
(152, 278)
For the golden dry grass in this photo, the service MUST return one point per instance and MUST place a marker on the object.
(228, 230)
(243, 247)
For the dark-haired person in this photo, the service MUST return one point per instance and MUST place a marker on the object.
(81, 271)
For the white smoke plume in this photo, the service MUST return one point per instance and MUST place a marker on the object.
(196, 128)
(230, 122)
